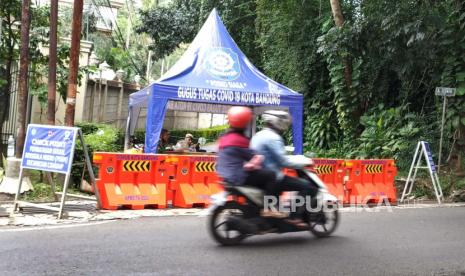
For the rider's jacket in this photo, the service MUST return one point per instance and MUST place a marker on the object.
(270, 144)
(233, 153)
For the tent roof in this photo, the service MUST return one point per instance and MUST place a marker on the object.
(213, 69)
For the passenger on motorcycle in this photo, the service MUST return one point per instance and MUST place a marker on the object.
(270, 143)
(237, 164)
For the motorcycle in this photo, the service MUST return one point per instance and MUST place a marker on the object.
(235, 214)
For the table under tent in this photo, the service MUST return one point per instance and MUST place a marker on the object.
(211, 76)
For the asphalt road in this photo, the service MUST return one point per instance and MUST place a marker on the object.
(405, 242)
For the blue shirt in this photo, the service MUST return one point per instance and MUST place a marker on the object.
(270, 144)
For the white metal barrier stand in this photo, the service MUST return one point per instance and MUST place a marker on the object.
(423, 150)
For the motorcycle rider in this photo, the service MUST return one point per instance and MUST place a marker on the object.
(270, 143)
(237, 164)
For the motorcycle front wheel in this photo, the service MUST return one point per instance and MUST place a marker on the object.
(220, 227)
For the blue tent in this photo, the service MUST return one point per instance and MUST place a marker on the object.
(212, 75)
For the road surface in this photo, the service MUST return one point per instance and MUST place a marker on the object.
(428, 241)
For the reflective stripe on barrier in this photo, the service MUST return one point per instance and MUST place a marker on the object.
(371, 181)
(126, 180)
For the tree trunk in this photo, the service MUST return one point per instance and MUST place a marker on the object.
(52, 63)
(74, 63)
(459, 147)
(339, 20)
(337, 13)
(23, 76)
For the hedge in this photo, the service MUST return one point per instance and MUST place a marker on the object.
(106, 138)
(98, 137)
(210, 134)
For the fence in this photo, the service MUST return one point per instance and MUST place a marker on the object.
(9, 125)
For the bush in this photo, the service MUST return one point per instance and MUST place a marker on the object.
(388, 133)
(98, 137)
(321, 130)
(394, 133)
(210, 134)
(88, 128)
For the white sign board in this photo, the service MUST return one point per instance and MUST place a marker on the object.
(445, 91)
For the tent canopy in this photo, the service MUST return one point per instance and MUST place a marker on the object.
(212, 72)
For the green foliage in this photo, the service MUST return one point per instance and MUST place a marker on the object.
(460, 185)
(105, 138)
(335, 46)
(321, 129)
(395, 52)
(10, 15)
(39, 38)
(98, 137)
(388, 132)
(179, 21)
(41, 192)
(392, 133)
(170, 26)
(113, 48)
(453, 75)
(89, 128)
(210, 134)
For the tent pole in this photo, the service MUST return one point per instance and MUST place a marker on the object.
(254, 122)
(126, 134)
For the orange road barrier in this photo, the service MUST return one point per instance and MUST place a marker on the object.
(332, 172)
(195, 181)
(127, 181)
(138, 181)
(371, 181)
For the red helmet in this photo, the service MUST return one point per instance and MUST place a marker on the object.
(239, 116)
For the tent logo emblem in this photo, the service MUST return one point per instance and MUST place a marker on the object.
(273, 88)
(222, 63)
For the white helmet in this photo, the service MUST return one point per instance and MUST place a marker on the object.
(280, 120)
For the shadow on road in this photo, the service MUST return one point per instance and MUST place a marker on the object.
(282, 241)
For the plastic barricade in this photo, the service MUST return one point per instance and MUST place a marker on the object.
(371, 181)
(195, 180)
(332, 172)
(129, 181)
(205, 173)
(138, 181)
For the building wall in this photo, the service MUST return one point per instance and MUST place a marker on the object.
(39, 114)
(107, 102)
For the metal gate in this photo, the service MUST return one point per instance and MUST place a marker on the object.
(9, 126)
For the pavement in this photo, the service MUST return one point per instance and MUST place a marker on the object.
(424, 240)
(78, 212)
